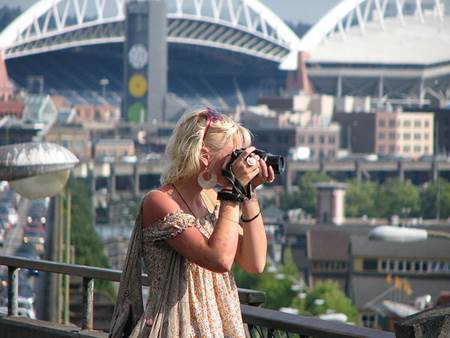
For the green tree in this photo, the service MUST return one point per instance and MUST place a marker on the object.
(306, 195)
(333, 299)
(277, 286)
(88, 246)
(435, 199)
(360, 199)
(398, 197)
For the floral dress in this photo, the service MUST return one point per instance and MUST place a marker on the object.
(185, 300)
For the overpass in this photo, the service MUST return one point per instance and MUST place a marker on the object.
(124, 178)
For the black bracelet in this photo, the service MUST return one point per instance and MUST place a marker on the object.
(251, 219)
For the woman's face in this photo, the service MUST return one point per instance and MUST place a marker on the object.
(218, 160)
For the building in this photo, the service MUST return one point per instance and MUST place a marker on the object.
(275, 140)
(387, 276)
(114, 148)
(73, 137)
(404, 134)
(381, 278)
(323, 141)
(330, 203)
(39, 108)
(10, 103)
(357, 131)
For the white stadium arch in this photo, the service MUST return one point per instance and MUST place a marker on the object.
(245, 26)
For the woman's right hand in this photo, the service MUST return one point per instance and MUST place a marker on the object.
(244, 172)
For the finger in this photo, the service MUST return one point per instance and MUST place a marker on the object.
(271, 177)
(264, 170)
(247, 152)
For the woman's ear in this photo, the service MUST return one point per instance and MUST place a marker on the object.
(204, 156)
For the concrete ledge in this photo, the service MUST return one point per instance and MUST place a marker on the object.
(19, 327)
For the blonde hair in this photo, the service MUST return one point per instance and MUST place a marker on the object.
(183, 151)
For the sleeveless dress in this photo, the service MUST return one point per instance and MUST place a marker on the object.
(185, 300)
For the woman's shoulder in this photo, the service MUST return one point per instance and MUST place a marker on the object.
(158, 204)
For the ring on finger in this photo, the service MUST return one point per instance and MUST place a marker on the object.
(251, 161)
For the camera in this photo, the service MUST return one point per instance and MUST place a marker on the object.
(275, 161)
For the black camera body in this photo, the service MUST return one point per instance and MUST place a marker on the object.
(275, 161)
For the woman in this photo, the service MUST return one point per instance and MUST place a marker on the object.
(189, 236)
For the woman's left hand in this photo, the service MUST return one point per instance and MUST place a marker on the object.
(265, 175)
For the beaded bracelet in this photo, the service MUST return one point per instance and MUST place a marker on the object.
(251, 219)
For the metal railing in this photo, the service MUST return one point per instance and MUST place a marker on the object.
(261, 322)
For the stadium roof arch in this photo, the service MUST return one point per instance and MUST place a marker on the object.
(243, 26)
(397, 48)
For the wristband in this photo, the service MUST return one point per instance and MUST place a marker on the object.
(224, 195)
(251, 219)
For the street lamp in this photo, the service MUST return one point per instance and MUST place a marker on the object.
(36, 169)
(399, 234)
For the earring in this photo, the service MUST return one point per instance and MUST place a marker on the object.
(207, 180)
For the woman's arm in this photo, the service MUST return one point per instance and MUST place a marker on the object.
(252, 248)
(216, 253)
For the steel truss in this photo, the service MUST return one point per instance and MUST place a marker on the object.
(244, 26)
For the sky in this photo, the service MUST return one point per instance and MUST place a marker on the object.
(307, 11)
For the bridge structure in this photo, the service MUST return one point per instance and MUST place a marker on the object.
(127, 179)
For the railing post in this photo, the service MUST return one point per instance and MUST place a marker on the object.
(13, 290)
(88, 303)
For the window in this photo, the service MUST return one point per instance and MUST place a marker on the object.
(391, 123)
(408, 266)
(417, 266)
(406, 149)
(331, 139)
(406, 136)
(322, 139)
(391, 265)
(392, 136)
(417, 123)
(392, 149)
(302, 139)
(381, 149)
(406, 123)
(417, 136)
(417, 149)
(426, 136)
(426, 124)
(426, 149)
(311, 139)
(370, 264)
(381, 123)
(383, 265)
(401, 265)
(381, 135)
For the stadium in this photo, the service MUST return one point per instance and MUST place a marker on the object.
(225, 53)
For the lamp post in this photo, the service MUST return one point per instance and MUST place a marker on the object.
(399, 234)
(37, 170)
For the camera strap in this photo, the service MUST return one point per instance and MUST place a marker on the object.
(243, 192)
